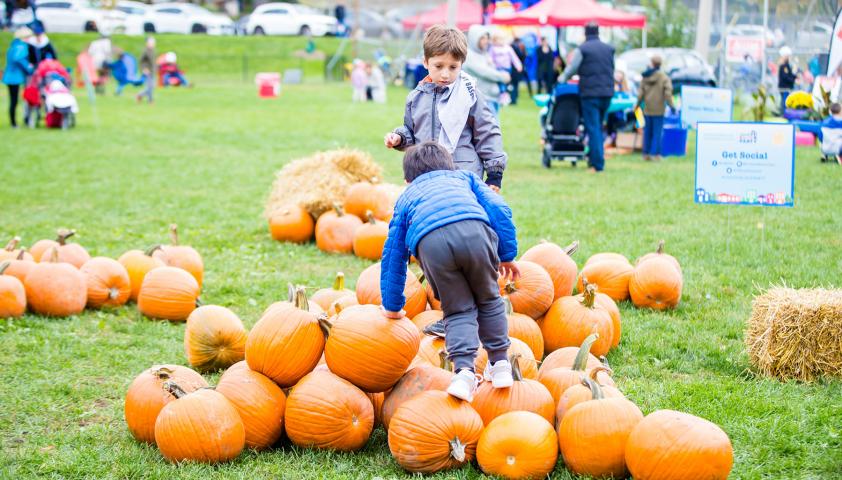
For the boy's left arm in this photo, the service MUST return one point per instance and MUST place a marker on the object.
(393, 265)
(500, 216)
(488, 142)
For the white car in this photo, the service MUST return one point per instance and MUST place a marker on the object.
(77, 16)
(137, 17)
(288, 19)
(186, 18)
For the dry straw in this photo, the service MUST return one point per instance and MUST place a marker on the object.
(320, 180)
(796, 334)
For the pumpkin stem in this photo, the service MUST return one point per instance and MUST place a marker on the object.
(444, 362)
(163, 373)
(21, 254)
(457, 449)
(370, 216)
(581, 361)
(4, 266)
(510, 309)
(151, 250)
(174, 233)
(572, 248)
(64, 234)
(113, 293)
(174, 389)
(596, 392)
(660, 249)
(54, 257)
(324, 324)
(597, 370)
(199, 302)
(338, 208)
(589, 295)
(514, 359)
(339, 282)
(13, 244)
(510, 288)
(421, 278)
(299, 298)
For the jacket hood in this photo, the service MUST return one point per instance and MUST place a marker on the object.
(474, 34)
(652, 75)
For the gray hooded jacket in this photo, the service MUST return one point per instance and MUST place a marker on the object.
(479, 65)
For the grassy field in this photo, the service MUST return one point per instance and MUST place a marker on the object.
(205, 158)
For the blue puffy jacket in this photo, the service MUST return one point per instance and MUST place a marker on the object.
(17, 63)
(431, 201)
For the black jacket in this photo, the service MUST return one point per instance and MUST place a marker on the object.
(37, 54)
(786, 77)
(596, 72)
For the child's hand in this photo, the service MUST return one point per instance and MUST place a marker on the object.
(392, 140)
(509, 270)
(392, 315)
(494, 188)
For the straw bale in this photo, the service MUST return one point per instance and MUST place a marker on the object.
(320, 180)
(796, 334)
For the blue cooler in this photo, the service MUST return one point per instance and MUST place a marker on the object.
(674, 139)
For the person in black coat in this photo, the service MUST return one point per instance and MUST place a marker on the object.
(786, 76)
(546, 72)
(522, 76)
(40, 47)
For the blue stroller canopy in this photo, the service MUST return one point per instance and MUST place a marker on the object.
(125, 71)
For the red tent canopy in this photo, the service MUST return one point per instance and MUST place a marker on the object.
(468, 13)
(570, 13)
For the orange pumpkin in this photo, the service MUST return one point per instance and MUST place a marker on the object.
(377, 400)
(202, 426)
(138, 263)
(524, 394)
(259, 401)
(580, 392)
(609, 305)
(430, 349)
(429, 316)
(659, 253)
(370, 350)
(434, 431)
(528, 364)
(363, 197)
(287, 342)
(656, 283)
(38, 248)
(370, 238)
(335, 231)
(518, 445)
(558, 380)
(420, 378)
(368, 290)
(214, 338)
(108, 282)
(342, 303)
(291, 223)
(558, 263)
(326, 412)
(71, 253)
(524, 328)
(611, 276)
(565, 357)
(326, 296)
(168, 293)
(55, 289)
(20, 266)
(182, 256)
(668, 445)
(592, 435)
(571, 319)
(12, 294)
(531, 294)
(12, 252)
(435, 304)
(607, 256)
(146, 397)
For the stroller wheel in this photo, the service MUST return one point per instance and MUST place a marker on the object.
(546, 161)
(573, 163)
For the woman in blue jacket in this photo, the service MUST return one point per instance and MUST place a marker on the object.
(17, 69)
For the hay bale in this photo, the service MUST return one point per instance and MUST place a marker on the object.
(320, 180)
(796, 334)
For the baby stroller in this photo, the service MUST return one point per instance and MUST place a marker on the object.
(831, 144)
(124, 71)
(47, 94)
(562, 132)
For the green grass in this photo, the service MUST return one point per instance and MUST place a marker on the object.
(205, 158)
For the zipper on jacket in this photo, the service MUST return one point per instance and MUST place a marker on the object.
(433, 119)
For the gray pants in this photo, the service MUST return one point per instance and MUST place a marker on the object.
(460, 263)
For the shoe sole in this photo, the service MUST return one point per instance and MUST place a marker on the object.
(502, 385)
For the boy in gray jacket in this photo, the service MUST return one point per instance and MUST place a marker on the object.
(448, 107)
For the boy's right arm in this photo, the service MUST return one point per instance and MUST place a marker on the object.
(393, 265)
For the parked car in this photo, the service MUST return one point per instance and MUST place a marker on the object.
(288, 19)
(684, 67)
(137, 16)
(816, 36)
(187, 18)
(77, 16)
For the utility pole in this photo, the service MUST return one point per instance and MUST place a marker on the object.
(723, 45)
(703, 22)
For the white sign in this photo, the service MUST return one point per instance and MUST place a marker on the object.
(745, 164)
(738, 46)
(705, 104)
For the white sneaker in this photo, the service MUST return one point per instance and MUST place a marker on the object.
(463, 385)
(500, 374)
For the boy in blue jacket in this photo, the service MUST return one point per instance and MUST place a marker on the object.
(462, 234)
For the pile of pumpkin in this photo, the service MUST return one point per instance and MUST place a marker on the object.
(326, 371)
(58, 278)
(359, 225)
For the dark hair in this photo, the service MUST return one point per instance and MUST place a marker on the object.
(592, 28)
(426, 157)
(836, 109)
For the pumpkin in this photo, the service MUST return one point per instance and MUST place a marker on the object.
(656, 283)
(420, 378)
(429, 316)
(137, 264)
(518, 445)
(38, 248)
(592, 435)
(368, 290)
(20, 266)
(611, 276)
(524, 328)
(12, 252)
(377, 400)
(363, 197)
(609, 305)
(71, 253)
(557, 262)
(669, 445)
(55, 289)
(214, 338)
(168, 293)
(429, 350)
(434, 431)
(326, 296)
(659, 253)
(558, 380)
(580, 392)
(108, 282)
(12, 294)
(527, 362)
(370, 350)
(532, 293)
(607, 256)
(565, 357)
(342, 303)
(571, 319)
(202, 426)
(327, 412)
(287, 342)
(524, 394)
(370, 238)
(182, 256)
(335, 231)
(291, 223)
(259, 402)
(435, 304)
(146, 397)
